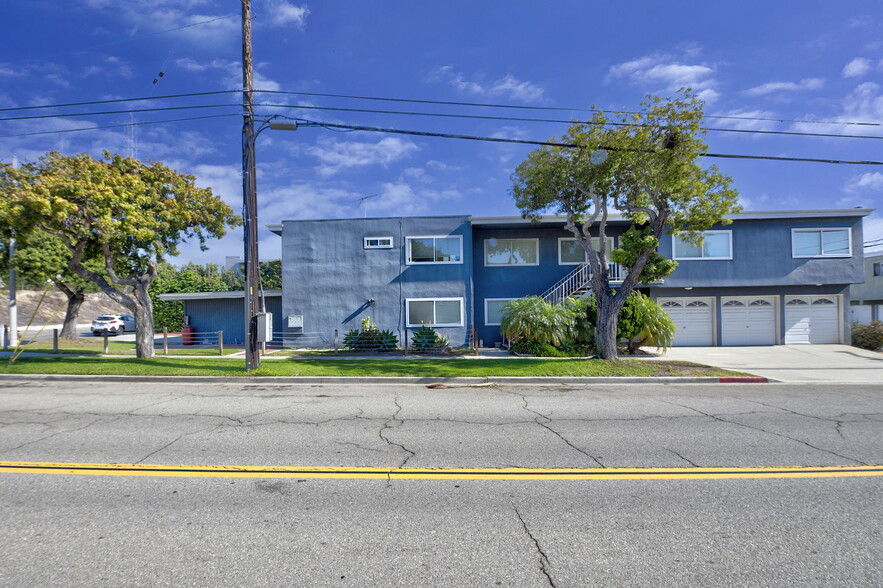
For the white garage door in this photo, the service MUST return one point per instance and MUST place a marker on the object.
(748, 320)
(693, 318)
(812, 319)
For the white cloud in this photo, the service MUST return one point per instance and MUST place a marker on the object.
(401, 198)
(508, 86)
(339, 155)
(231, 72)
(857, 67)
(284, 13)
(865, 183)
(863, 104)
(665, 73)
(746, 120)
(772, 87)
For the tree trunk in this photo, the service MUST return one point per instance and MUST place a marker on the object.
(143, 320)
(605, 327)
(75, 299)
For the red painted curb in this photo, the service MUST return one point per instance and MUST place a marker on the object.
(745, 380)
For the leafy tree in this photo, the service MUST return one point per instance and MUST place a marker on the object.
(650, 175)
(190, 278)
(641, 321)
(131, 214)
(40, 258)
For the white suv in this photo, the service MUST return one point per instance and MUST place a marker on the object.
(113, 324)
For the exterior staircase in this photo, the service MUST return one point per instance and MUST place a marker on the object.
(577, 283)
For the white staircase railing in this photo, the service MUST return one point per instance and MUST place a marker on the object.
(576, 282)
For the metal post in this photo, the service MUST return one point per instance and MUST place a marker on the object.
(221, 342)
(249, 195)
(13, 309)
(106, 347)
(54, 340)
(5, 337)
(165, 340)
(336, 341)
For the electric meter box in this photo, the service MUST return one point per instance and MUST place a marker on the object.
(265, 327)
(295, 321)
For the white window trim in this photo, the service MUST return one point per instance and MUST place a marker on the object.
(486, 300)
(674, 239)
(820, 229)
(367, 246)
(536, 242)
(585, 255)
(408, 311)
(410, 238)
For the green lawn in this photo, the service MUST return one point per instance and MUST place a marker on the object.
(95, 346)
(167, 366)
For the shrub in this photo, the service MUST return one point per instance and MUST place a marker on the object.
(426, 340)
(641, 321)
(370, 338)
(868, 336)
(533, 319)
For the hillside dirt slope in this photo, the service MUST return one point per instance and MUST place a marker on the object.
(96, 303)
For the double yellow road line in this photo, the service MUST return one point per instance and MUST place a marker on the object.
(696, 473)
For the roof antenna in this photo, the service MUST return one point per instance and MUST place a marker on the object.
(365, 200)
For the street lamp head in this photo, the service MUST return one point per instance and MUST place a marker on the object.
(283, 126)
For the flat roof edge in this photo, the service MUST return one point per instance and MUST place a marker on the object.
(180, 296)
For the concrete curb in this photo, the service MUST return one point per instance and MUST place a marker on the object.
(293, 380)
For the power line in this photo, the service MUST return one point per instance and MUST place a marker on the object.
(131, 124)
(437, 102)
(305, 122)
(413, 113)
(118, 100)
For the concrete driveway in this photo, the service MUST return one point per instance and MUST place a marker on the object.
(791, 363)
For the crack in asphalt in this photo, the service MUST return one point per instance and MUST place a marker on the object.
(26, 443)
(838, 422)
(544, 560)
(717, 418)
(388, 425)
(681, 456)
(546, 426)
(172, 442)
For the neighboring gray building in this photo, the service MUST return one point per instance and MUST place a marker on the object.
(866, 299)
(767, 278)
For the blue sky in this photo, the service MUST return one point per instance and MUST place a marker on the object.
(792, 61)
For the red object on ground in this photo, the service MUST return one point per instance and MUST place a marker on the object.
(187, 336)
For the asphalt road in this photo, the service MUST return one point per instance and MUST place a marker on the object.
(75, 530)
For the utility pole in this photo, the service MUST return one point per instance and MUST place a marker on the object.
(13, 309)
(249, 196)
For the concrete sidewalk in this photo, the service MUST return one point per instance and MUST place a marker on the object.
(791, 363)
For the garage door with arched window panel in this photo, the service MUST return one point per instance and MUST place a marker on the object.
(812, 319)
(694, 319)
(748, 320)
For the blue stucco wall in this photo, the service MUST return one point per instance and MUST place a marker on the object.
(518, 281)
(228, 315)
(329, 276)
(762, 257)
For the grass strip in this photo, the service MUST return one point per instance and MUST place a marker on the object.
(526, 367)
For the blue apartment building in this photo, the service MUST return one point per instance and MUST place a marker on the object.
(768, 278)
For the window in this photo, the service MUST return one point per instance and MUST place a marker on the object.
(511, 251)
(435, 249)
(434, 312)
(493, 310)
(378, 242)
(878, 269)
(716, 245)
(571, 252)
(821, 242)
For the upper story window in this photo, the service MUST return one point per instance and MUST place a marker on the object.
(378, 242)
(716, 245)
(878, 269)
(571, 252)
(821, 242)
(511, 251)
(435, 249)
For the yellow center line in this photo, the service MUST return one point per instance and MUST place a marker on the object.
(217, 471)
